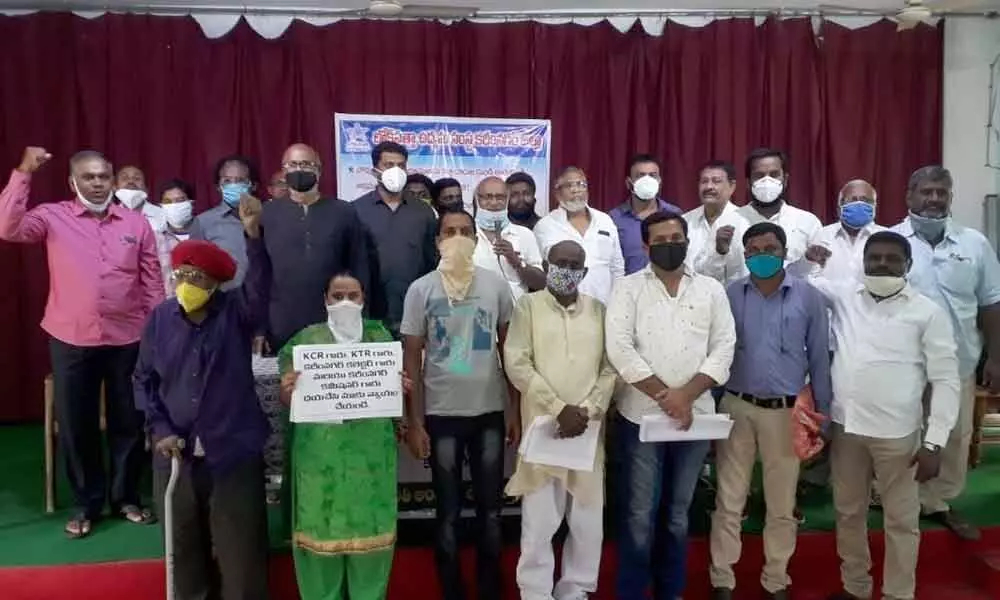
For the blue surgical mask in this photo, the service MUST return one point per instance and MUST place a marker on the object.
(491, 220)
(765, 266)
(927, 227)
(857, 214)
(231, 193)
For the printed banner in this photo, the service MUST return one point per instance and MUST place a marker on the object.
(464, 149)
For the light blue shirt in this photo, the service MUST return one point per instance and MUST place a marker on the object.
(782, 341)
(961, 274)
(222, 226)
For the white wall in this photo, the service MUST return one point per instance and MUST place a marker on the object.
(970, 44)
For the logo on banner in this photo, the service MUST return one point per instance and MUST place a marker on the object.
(357, 138)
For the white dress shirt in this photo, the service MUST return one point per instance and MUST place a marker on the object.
(523, 241)
(605, 263)
(961, 274)
(887, 352)
(701, 255)
(800, 227)
(846, 261)
(651, 333)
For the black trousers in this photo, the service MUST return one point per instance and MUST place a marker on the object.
(220, 531)
(482, 439)
(77, 374)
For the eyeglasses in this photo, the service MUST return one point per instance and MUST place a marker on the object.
(573, 185)
(300, 165)
(192, 276)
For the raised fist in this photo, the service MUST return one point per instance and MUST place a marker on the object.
(250, 208)
(34, 157)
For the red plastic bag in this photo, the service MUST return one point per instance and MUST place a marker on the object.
(806, 422)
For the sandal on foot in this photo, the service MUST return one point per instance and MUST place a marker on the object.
(137, 515)
(78, 527)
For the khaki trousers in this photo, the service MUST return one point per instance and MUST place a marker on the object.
(769, 431)
(852, 460)
(948, 485)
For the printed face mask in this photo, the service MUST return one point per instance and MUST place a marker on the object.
(562, 281)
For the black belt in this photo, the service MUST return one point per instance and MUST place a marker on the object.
(774, 402)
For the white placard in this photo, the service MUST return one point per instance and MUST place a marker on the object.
(661, 428)
(543, 446)
(338, 382)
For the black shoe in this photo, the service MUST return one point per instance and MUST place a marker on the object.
(779, 595)
(959, 526)
(721, 593)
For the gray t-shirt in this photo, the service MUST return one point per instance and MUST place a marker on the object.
(462, 376)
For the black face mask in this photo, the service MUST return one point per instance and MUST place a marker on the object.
(301, 181)
(668, 256)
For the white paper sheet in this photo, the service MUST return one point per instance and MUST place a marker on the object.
(661, 428)
(543, 446)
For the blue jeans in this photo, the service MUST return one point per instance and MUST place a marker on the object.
(656, 482)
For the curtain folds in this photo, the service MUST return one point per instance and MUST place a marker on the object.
(155, 92)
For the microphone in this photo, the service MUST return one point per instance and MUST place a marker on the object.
(497, 228)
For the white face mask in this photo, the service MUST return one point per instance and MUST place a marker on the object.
(178, 214)
(573, 206)
(131, 199)
(345, 321)
(394, 179)
(884, 285)
(91, 206)
(646, 187)
(767, 189)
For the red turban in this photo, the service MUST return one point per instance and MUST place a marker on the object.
(214, 261)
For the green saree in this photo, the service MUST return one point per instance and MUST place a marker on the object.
(343, 493)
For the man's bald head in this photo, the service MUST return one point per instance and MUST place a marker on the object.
(857, 190)
(299, 155)
(567, 254)
(491, 194)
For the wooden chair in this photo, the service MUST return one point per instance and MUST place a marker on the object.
(51, 434)
(986, 403)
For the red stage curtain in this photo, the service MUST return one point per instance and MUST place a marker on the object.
(154, 91)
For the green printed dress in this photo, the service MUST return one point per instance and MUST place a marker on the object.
(343, 494)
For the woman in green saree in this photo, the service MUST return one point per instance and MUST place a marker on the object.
(343, 475)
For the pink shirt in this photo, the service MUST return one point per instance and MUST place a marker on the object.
(104, 275)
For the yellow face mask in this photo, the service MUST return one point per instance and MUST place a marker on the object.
(192, 297)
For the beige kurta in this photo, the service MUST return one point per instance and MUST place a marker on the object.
(555, 356)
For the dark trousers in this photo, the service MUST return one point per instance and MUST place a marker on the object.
(482, 437)
(77, 374)
(220, 531)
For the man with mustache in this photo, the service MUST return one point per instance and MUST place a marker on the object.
(958, 269)
(104, 280)
(715, 228)
(891, 342)
(594, 230)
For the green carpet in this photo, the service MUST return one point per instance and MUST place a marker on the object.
(30, 537)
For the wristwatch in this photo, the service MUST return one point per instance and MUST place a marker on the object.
(931, 447)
